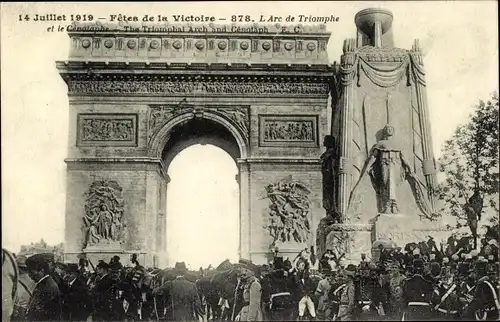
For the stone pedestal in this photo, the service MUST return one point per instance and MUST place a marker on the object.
(351, 239)
(396, 227)
(403, 229)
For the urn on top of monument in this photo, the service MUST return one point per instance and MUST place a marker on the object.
(374, 26)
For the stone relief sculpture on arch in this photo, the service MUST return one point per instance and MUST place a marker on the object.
(103, 219)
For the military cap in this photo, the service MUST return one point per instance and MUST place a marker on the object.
(350, 270)
(103, 265)
(418, 263)
(180, 267)
(39, 261)
(115, 266)
(247, 264)
(278, 263)
(435, 269)
(72, 268)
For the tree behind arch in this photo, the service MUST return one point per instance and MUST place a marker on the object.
(469, 162)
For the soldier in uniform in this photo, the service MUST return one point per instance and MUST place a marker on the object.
(322, 292)
(252, 292)
(337, 285)
(134, 295)
(445, 299)
(396, 305)
(25, 287)
(104, 296)
(417, 292)
(45, 304)
(347, 307)
(305, 289)
(77, 304)
(485, 303)
(182, 294)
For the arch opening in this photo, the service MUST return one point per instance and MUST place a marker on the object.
(202, 196)
(202, 207)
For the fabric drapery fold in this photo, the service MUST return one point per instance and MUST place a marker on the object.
(383, 75)
(417, 70)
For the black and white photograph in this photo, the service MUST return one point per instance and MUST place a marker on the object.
(250, 161)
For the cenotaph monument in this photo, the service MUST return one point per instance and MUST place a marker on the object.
(379, 170)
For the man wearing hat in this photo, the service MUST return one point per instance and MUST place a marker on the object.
(77, 304)
(417, 292)
(183, 295)
(45, 304)
(25, 287)
(252, 292)
(347, 306)
(485, 304)
(445, 299)
(104, 294)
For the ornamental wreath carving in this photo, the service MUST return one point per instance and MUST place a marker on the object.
(103, 219)
(289, 211)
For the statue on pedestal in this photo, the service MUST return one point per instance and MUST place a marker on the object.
(385, 165)
(328, 170)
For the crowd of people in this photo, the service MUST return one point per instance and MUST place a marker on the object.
(414, 283)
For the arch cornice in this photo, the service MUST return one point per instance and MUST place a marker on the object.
(160, 138)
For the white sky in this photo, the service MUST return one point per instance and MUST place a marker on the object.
(460, 40)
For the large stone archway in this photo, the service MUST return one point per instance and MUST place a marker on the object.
(262, 95)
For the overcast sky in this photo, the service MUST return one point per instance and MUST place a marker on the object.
(459, 39)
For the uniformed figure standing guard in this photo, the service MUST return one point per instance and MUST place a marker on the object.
(347, 305)
(45, 304)
(417, 292)
(252, 292)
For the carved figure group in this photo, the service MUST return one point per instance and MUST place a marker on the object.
(103, 219)
(288, 211)
(165, 87)
(288, 131)
(107, 130)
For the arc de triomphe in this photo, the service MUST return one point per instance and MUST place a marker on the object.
(138, 98)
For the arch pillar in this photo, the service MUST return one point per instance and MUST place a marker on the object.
(245, 211)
